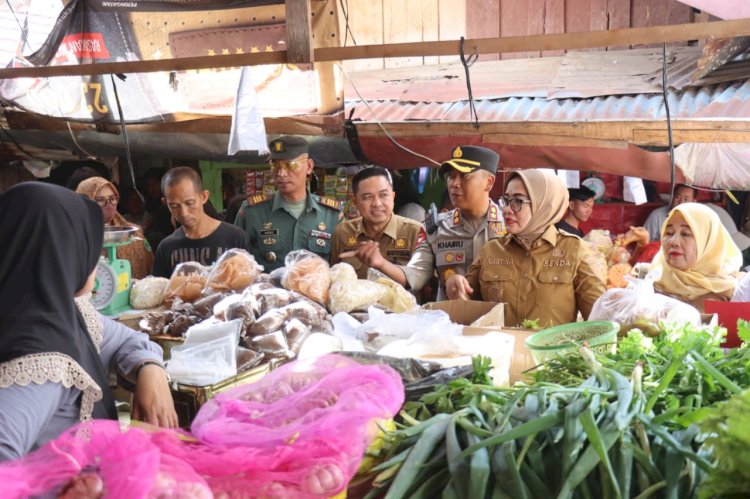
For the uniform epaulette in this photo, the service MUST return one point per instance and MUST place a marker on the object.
(257, 199)
(331, 203)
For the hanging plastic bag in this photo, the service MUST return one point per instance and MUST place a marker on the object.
(307, 273)
(248, 133)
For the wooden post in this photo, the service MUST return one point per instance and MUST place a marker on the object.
(298, 32)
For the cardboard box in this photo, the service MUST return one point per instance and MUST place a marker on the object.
(466, 312)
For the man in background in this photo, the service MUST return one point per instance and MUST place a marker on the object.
(580, 207)
(199, 238)
(682, 194)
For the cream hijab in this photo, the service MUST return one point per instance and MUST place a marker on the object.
(718, 257)
(549, 201)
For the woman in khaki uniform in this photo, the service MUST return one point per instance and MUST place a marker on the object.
(539, 272)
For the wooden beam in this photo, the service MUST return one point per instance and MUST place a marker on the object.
(298, 32)
(586, 134)
(630, 36)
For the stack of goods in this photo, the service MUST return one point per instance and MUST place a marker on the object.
(615, 260)
(276, 312)
(259, 182)
(339, 187)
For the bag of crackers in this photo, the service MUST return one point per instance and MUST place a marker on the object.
(187, 283)
(307, 274)
(235, 270)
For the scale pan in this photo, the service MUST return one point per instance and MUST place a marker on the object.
(118, 234)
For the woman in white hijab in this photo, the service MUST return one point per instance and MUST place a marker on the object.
(539, 272)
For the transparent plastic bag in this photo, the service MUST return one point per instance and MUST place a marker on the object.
(187, 282)
(639, 306)
(148, 292)
(396, 299)
(342, 271)
(208, 356)
(235, 270)
(307, 274)
(345, 296)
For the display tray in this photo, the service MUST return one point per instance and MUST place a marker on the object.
(188, 398)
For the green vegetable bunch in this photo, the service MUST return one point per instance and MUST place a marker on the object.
(596, 440)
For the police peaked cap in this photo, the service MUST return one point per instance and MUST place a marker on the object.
(467, 159)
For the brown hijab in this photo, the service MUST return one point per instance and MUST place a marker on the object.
(549, 200)
(138, 252)
(91, 187)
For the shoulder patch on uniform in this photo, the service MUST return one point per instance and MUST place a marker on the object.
(331, 203)
(257, 199)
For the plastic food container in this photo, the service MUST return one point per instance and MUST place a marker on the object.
(601, 336)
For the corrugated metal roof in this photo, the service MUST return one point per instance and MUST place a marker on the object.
(725, 101)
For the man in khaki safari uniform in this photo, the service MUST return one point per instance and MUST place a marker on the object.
(395, 237)
(451, 244)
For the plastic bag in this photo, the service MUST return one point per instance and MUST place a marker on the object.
(307, 273)
(345, 296)
(235, 270)
(187, 282)
(638, 306)
(210, 357)
(397, 299)
(148, 292)
(301, 431)
(451, 350)
(342, 271)
(600, 239)
(383, 328)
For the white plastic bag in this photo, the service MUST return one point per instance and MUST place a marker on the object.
(640, 306)
(248, 133)
(148, 292)
(206, 363)
(345, 296)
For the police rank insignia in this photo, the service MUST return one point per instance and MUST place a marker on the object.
(401, 242)
(497, 229)
(352, 241)
(456, 217)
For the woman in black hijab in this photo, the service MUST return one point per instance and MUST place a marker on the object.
(51, 363)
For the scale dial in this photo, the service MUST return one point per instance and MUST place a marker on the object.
(105, 288)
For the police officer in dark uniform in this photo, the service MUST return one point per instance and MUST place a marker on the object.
(451, 243)
(292, 218)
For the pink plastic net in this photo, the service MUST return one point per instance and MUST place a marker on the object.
(300, 432)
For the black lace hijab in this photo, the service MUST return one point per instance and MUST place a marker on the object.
(50, 241)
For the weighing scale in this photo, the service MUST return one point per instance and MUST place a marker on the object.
(111, 293)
